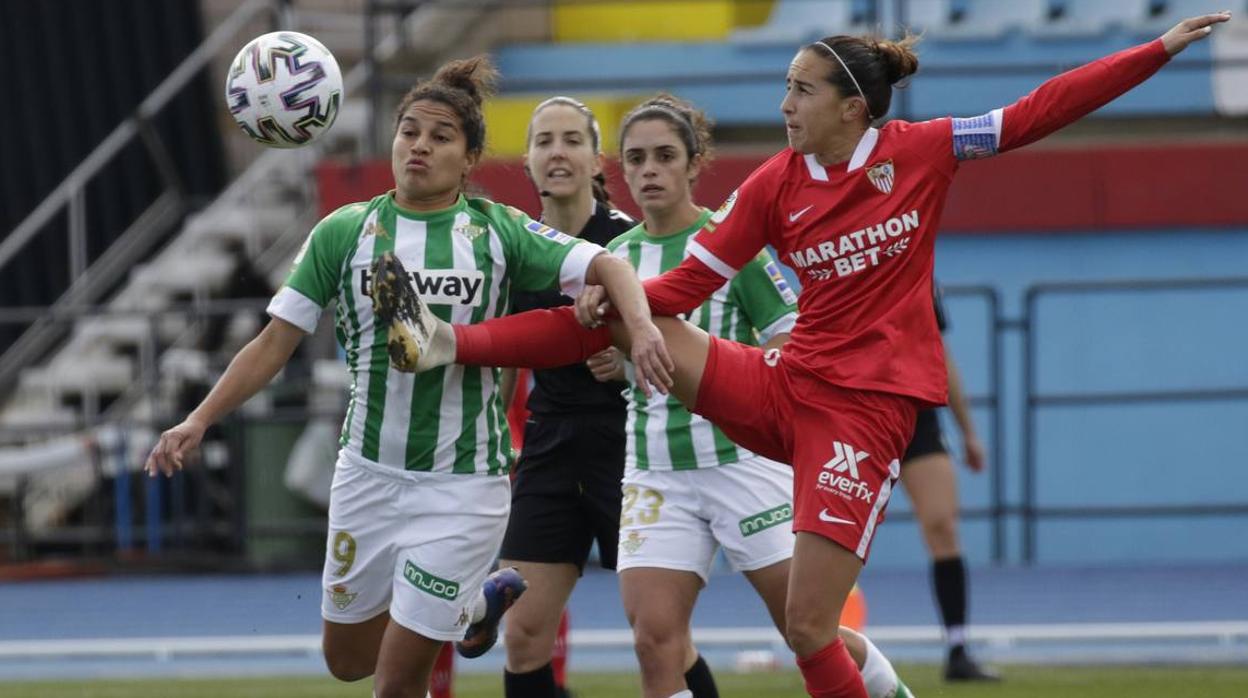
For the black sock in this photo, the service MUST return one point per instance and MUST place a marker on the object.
(949, 585)
(539, 683)
(700, 681)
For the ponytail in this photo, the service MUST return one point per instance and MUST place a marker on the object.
(599, 186)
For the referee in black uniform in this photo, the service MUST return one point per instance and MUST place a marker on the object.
(928, 475)
(566, 492)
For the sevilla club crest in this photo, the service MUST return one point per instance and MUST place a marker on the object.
(881, 176)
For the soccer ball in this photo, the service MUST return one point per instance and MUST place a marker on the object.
(284, 89)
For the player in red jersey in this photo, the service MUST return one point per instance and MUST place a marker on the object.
(854, 209)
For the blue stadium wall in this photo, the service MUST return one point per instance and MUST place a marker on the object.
(1191, 452)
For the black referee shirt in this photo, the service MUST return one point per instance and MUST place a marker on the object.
(572, 389)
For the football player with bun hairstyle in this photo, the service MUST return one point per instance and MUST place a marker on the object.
(853, 209)
(420, 496)
(688, 490)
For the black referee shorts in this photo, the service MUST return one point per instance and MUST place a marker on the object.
(927, 438)
(566, 493)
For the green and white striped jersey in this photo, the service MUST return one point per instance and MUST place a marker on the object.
(463, 261)
(752, 308)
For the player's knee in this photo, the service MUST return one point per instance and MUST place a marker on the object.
(807, 633)
(941, 533)
(656, 643)
(524, 642)
(347, 667)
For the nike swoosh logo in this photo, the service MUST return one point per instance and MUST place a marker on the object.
(798, 214)
(825, 516)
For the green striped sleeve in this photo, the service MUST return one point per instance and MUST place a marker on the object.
(764, 296)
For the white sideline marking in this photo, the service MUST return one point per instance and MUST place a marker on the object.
(164, 648)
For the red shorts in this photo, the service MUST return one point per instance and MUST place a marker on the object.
(845, 445)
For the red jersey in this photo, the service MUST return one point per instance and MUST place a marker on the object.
(861, 234)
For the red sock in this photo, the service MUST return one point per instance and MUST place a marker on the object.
(443, 673)
(536, 339)
(832, 673)
(559, 657)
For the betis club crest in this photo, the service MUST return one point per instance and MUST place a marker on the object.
(632, 543)
(341, 597)
(881, 176)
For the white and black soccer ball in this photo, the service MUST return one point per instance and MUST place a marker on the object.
(284, 89)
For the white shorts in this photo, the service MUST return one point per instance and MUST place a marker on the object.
(417, 543)
(677, 519)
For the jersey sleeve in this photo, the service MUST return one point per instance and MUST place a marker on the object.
(1057, 102)
(932, 140)
(540, 257)
(616, 242)
(765, 297)
(729, 240)
(314, 279)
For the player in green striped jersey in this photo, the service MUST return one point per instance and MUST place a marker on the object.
(688, 489)
(419, 502)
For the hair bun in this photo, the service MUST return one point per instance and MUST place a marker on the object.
(476, 76)
(898, 57)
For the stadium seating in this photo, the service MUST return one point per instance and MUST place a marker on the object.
(798, 21)
(1166, 13)
(976, 18)
(1023, 42)
(1088, 17)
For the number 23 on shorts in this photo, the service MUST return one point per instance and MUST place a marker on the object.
(647, 502)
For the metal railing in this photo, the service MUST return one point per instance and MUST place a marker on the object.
(69, 192)
(90, 280)
(117, 521)
(1034, 399)
(997, 509)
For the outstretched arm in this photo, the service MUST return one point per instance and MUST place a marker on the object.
(1068, 97)
(251, 369)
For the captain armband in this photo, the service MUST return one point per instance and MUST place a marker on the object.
(977, 136)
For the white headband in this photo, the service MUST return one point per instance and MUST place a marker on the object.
(851, 76)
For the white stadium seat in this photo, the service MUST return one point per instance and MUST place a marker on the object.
(976, 19)
(799, 21)
(1091, 17)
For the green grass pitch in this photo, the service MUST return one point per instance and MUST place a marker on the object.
(1021, 682)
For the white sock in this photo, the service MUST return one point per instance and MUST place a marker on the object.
(877, 673)
(441, 349)
(477, 611)
(683, 694)
(955, 635)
